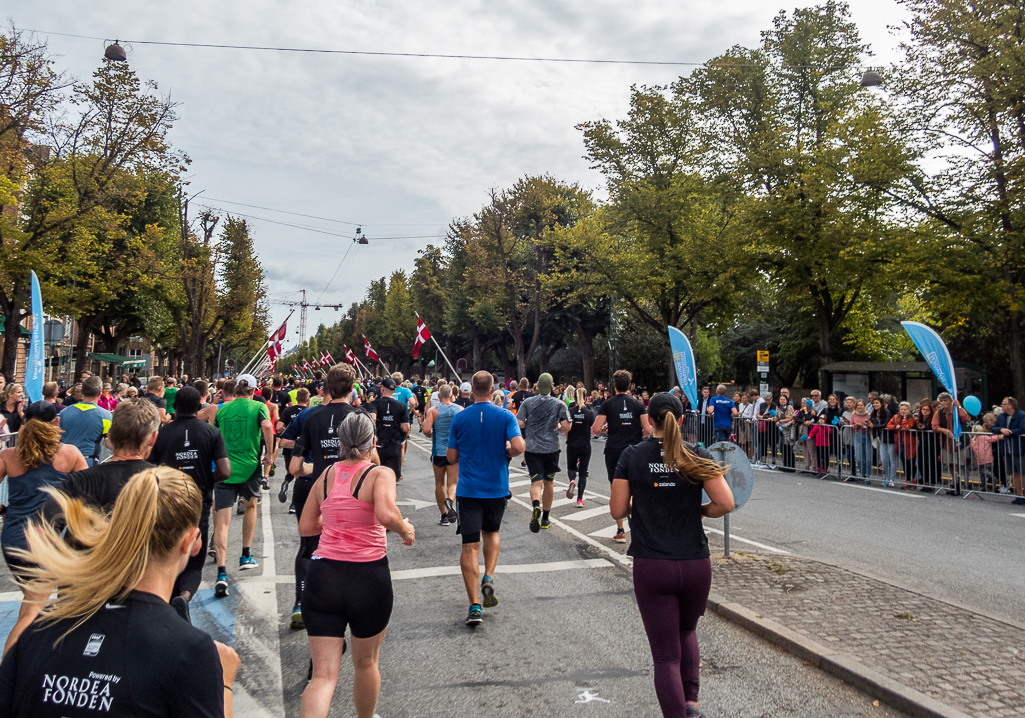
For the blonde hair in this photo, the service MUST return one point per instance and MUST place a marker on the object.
(38, 443)
(581, 397)
(5, 393)
(498, 398)
(678, 457)
(151, 515)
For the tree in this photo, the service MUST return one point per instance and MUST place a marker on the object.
(815, 153)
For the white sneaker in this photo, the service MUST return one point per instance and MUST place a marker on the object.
(1004, 490)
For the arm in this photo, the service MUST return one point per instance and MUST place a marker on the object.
(267, 429)
(645, 425)
(619, 500)
(452, 455)
(598, 425)
(516, 447)
(565, 426)
(720, 498)
(222, 469)
(405, 427)
(385, 510)
(432, 414)
(311, 523)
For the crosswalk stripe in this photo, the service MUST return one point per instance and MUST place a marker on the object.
(588, 514)
(515, 484)
(555, 503)
(608, 532)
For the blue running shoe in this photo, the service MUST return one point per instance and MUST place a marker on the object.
(247, 562)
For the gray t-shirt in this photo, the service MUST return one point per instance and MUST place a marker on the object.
(541, 416)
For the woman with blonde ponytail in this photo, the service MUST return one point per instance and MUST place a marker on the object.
(110, 643)
(658, 484)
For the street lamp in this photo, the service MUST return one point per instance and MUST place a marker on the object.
(115, 53)
(871, 79)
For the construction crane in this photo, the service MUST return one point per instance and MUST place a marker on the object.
(303, 305)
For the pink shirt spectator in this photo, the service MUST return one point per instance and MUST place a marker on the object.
(108, 402)
(982, 447)
(351, 530)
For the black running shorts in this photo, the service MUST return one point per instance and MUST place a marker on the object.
(225, 494)
(476, 515)
(440, 461)
(542, 466)
(347, 593)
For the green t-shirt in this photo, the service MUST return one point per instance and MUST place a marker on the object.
(169, 394)
(239, 421)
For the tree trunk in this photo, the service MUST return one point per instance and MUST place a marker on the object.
(84, 331)
(507, 365)
(586, 342)
(1017, 355)
(825, 343)
(18, 298)
(478, 352)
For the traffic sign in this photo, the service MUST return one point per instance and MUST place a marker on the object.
(763, 360)
(739, 474)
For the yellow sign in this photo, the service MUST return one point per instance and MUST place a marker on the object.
(763, 356)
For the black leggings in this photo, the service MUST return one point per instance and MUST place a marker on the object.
(189, 579)
(577, 461)
(307, 544)
(671, 596)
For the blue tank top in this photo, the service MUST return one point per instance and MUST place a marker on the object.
(25, 501)
(441, 427)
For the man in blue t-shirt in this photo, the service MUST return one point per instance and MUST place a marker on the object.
(723, 410)
(482, 440)
(84, 424)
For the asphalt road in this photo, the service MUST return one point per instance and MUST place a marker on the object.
(565, 638)
(964, 551)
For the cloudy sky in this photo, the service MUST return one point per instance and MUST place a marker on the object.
(396, 145)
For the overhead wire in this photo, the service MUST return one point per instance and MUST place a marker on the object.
(327, 219)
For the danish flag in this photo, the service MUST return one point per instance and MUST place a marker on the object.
(330, 359)
(278, 336)
(350, 358)
(371, 354)
(422, 335)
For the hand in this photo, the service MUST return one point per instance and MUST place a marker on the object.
(410, 536)
(267, 461)
(1005, 432)
(229, 662)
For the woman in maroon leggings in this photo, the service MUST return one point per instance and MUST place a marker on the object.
(658, 484)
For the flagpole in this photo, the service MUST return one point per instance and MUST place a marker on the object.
(266, 343)
(379, 359)
(440, 349)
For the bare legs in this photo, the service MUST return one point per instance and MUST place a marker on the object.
(468, 563)
(327, 660)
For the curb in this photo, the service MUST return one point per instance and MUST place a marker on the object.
(842, 666)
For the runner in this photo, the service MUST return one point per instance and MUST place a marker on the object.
(672, 573)
(464, 399)
(285, 420)
(578, 447)
(482, 440)
(243, 423)
(392, 420)
(85, 423)
(38, 461)
(267, 394)
(723, 410)
(404, 395)
(193, 447)
(155, 394)
(521, 394)
(420, 392)
(542, 418)
(349, 583)
(315, 449)
(111, 645)
(170, 393)
(627, 424)
(446, 475)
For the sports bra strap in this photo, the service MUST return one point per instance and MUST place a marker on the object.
(359, 484)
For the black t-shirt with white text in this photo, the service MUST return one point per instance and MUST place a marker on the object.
(191, 446)
(134, 658)
(318, 441)
(623, 416)
(579, 435)
(520, 396)
(389, 415)
(289, 413)
(665, 519)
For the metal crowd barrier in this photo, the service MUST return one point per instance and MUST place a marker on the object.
(978, 463)
(7, 441)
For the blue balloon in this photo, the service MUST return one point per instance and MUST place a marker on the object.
(972, 405)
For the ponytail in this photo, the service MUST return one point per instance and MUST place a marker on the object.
(581, 396)
(678, 457)
(152, 514)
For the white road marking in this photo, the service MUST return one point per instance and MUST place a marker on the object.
(610, 531)
(1018, 515)
(517, 484)
(588, 514)
(555, 502)
(454, 570)
(269, 567)
(417, 504)
(620, 558)
(891, 492)
(734, 537)
(16, 595)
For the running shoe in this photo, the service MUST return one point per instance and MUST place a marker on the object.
(247, 562)
(211, 553)
(443, 521)
(297, 618)
(179, 604)
(240, 507)
(271, 473)
(1019, 501)
(265, 484)
(487, 592)
(535, 519)
(291, 508)
(476, 615)
(283, 493)
(221, 587)
(580, 503)
(620, 536)
(546, 523)
(569, 489)
(1004, 490)
(693, 711)
(450, 511)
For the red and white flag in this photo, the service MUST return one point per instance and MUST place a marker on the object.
(371, 354)
(330, 359)
(272, 352)
(350, 358)
(422, 335)
(306, 365)
(278, 336)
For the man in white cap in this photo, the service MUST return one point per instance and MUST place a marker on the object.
(464, 399)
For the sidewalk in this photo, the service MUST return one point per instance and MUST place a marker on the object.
(964, 660)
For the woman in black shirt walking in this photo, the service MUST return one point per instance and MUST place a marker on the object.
(658, 483)
(578, 447)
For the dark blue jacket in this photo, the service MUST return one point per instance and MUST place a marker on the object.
(1016, 423)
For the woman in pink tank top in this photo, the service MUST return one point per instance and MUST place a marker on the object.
(351, 506)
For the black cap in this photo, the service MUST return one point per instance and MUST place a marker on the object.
(42, 410)
(665, 401)
(388, 383)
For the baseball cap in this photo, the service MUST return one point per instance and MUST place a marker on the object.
(42, 410)
(249, 379)
(465, 388)
(663, 401)
(544, 383)
(388, 383)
